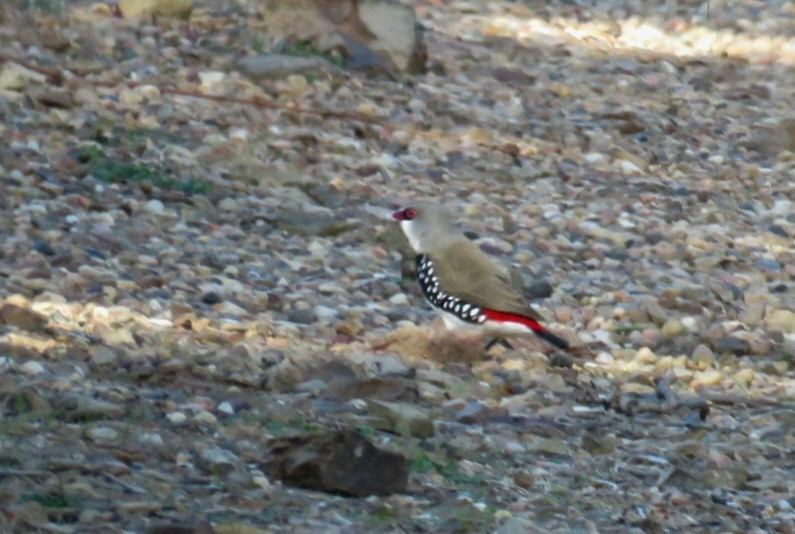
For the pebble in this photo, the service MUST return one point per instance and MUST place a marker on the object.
(710, 377)
(226, 408)
(102, 434)
(399, 299)
(216, 461)
(702, 354)
(177, 418)
(154, 206)
(325, 314)
(32, 368)
(673, 328)
(205, 417)
(301, 316)
(150, 439)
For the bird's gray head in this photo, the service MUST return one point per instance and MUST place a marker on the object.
(428, 227)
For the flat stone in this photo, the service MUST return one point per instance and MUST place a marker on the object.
(731, 345)
(165, 8)
(102, 434)
(301, 316)
(274, 66)
(216, 461)
(73, 407)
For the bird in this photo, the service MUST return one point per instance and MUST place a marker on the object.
(461, 281)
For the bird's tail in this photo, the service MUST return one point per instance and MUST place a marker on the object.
(549, 337)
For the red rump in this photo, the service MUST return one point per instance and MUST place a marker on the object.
(532, 324)
(506, 317)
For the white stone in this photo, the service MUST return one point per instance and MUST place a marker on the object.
(177, 418)
(32, 368)
(154, 206)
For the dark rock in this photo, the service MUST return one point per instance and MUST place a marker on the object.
(538, 290)
(778, 230)
(731, 345)
(477, 412)
(301, 316)
(45, 248)
(187, 527)
(337, 462)
(94, 253)
(211, 297)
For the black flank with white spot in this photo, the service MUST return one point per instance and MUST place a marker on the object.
(429, 284)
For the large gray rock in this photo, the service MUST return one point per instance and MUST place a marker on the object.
(397, 36)
(338, 462)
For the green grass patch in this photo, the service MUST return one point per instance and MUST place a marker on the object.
(109, 170)
(52, 499)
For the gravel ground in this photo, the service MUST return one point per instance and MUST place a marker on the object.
(184, 279)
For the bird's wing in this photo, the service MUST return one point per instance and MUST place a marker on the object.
(469, 274)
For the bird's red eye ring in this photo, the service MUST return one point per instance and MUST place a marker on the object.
(409, 213)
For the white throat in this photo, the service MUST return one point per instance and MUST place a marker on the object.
(412, 234)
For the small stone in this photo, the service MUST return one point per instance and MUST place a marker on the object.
(102, 434)
(731, 345)
(211, 297)
(325, 314)
(399, 299)
(45, 248)
(563, 314)
(226, 408)
(155, 207)
(673, 328)
(313, 387)
(781, 321)
(744, 376)
(228, 204)
(150, 439)
(710, 377)
(216, 461)
(538, 290)
(104, 356)
(646, 355)
(301, 316)
(477, 412)
(177, 418)
(32, 368)
(702, 355)
(205, 417)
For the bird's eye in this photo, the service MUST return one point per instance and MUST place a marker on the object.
(410, 213)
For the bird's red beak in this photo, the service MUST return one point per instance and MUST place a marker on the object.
(400, 215)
